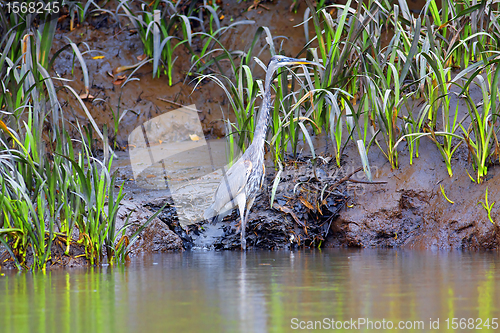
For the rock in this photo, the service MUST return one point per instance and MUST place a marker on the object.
(156, 237)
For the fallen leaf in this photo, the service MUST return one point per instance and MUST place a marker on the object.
(119, 79)
(287, 210)
(124, 68)
(86, 96)
(306, 203)
(60, 19)
(142, 57)
(150, 176)
(110, 74)
(98, 57)
(194, 137)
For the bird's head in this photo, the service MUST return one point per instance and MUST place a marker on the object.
(280, 61)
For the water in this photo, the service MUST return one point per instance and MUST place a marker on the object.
(257, 292)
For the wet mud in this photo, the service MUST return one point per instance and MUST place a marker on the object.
(410, 210)
(303, 211)
(58, 258)
(401, 208)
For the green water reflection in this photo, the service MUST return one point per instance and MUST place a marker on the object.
(254, 292)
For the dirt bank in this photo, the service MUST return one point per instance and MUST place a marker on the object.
(411, 211)
(299, 217)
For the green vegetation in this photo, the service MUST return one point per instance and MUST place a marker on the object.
(162, 28)
(368, 91)
(47, 189)
(487, 206)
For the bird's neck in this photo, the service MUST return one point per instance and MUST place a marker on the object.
(265, 109)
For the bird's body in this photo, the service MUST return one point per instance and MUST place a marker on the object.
(239, 187)
(243, 181)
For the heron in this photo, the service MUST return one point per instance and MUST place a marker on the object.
(243, 181)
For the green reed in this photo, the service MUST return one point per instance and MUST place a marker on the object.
(157, 32)
(487, 206)
(481, 135)
(47, 189)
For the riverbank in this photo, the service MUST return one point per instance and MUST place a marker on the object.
(121, 120)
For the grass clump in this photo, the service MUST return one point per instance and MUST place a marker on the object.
(49, 190)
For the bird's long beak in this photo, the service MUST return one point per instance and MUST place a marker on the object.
(294, 61)
(303, 62)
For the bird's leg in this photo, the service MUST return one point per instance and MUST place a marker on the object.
(248, 206)
(243, 229)
(241, 199)
(244, 222)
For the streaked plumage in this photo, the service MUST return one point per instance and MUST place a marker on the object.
(242, 182)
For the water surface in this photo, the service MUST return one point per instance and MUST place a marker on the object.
(257, 292)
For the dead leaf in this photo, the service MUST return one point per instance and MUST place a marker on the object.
(306, 203)
(86, 96)
(98, 57)
(142, 57)
(287, 210)
(4, 127)
(124, 68)
(120, 79)
(60, 19)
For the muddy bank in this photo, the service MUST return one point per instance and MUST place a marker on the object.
(410, 210)
(314, 206)
(58, 258)
(405, 209)
(326, 206)
(300, 216)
